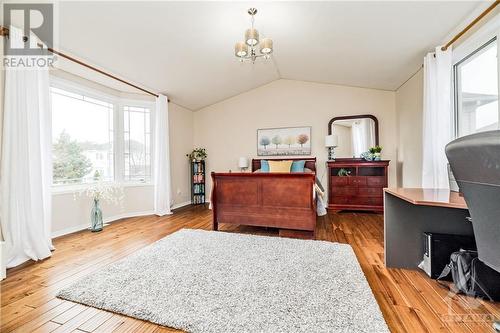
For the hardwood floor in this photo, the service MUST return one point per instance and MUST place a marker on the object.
(409, 300)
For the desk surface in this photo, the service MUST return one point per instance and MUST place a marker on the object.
(429, 197)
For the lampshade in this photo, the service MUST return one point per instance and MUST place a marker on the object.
(331, 140)
(243, 162)
(240, 49)
(252, 37)
(266, 46)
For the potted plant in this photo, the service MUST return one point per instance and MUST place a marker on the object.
(198, 154)
(377, 153)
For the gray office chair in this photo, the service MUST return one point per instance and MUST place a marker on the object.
(475, 163)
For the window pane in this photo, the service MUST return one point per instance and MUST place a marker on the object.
(82, 136)
(477, 91)
(137, 144)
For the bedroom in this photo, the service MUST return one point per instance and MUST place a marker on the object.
(136, 109)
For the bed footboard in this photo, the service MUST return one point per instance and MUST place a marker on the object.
(279, 200)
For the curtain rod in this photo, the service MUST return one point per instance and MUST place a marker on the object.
(5, 32)
(467, 28)
(59, 53)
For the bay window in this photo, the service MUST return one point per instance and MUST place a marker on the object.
(96, 136)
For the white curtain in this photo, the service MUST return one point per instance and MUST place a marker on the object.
(437, 117)
(25, 172)
(162, 179)
(363, 136)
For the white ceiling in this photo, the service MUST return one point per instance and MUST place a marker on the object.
(185, 49)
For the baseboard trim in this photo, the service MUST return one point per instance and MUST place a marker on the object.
(111, 219)
(182, 204)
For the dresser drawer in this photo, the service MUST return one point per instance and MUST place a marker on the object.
(370, 201)
(339, 181)
(376, 181)
(340, 200)
(357, 181)
(370, 192)
(344, 191)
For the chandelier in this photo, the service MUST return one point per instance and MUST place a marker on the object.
(252, 48)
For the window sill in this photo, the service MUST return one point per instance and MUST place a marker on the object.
(74, 189)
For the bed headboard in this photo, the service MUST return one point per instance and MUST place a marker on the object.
(310, 162)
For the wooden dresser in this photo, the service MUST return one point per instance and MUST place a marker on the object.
(362, 189)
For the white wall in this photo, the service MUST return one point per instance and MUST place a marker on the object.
(71, 212)
(228, 129)
(409, 106)
(181, 143)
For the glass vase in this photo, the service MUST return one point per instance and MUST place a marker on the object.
(96, 217)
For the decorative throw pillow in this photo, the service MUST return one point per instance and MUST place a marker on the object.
(298, 166)
(264, 166)
(280, 166)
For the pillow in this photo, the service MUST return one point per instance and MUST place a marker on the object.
(298, 166)
(264, 166)
(307, 170)
(280, 166)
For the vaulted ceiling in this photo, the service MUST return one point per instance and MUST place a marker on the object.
(185, 49)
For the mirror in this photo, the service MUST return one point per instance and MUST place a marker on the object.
(354, 134)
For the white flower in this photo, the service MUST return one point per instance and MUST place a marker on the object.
(104, 191)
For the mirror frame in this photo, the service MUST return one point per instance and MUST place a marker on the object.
(372, 117)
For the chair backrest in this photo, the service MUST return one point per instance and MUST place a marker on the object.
(475, 162)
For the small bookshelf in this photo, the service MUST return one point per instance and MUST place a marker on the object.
(198, 182)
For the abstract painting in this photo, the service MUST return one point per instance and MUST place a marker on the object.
(284, 141)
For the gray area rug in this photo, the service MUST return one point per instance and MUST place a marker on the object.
(205, 281)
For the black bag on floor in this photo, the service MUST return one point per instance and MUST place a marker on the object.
(471, 276)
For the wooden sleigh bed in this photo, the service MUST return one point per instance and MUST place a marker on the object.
(279, 200)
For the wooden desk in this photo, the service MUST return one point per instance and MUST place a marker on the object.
(409, 212)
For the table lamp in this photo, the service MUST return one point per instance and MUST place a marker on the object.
(243, 163)
(331, 142)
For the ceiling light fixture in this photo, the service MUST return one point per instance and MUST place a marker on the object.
(251, 49)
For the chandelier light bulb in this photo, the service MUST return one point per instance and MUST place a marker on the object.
(252, 37)
(266, 46)
(240, 49)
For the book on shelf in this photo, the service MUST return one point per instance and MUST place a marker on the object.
(197, 167)
(199, 188)
(199, 199)
(198, 179)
